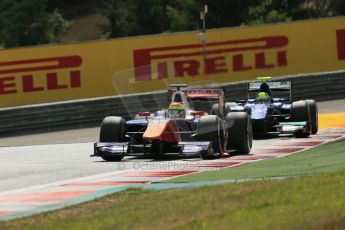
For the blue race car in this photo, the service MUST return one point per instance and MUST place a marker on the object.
(272, 111)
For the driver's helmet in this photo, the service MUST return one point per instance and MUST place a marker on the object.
(262, 98)
(265, 88)
(177, 110)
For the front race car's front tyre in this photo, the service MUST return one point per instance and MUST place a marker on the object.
(210, 128)
(240, 132)
(300, 113)
(113, 129)
(112, 158)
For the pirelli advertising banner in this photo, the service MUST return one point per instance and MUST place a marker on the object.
(149, 63)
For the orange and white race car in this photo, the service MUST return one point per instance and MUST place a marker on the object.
(194, 123)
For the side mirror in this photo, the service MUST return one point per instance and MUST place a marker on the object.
(286, 100)
(144, 114)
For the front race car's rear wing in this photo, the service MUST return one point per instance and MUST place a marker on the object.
(279, 89)
(194, 93)
(199, 99)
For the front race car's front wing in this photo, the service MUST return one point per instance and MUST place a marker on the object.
(122, 148)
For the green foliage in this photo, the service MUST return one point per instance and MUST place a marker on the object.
(56, 25)
(224, 13)
(183, 15)
(268, 11)
(338, 6)
(31, 22)
(131, 17)
(54, 4)
(27, 22)
(314, 9)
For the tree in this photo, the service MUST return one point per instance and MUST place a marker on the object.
(135, 17)
(268, 11)
(307, 9)
(338, 7)
(58, 4)
(131, 17)
(185, 14)
(225, 13)
(27, 22)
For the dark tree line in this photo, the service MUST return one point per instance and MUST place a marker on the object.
(28, 22)
(32, 22)
(139, 17)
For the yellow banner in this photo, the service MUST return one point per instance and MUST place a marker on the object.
(142, 64)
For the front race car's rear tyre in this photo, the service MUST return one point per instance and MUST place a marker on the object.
(211, 128)
(300, 112)
(314, 120)
(227, 109)
(240, 132)
(215, 110)
(113, 129)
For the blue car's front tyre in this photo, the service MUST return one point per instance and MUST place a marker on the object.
(300, 113)
(313, 111)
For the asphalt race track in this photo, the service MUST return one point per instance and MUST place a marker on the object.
(48, 168)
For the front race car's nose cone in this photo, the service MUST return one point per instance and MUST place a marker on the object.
(165, 130)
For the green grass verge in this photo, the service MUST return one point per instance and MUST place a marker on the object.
(325, 158)
(313, 202)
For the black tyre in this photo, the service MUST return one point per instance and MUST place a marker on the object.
(211, 128)
(157, 150)
(260, 129)
(113, 129)
(300, 112)
(227, 109)
(240, 132)
(314, 119)
(228, 106)
(215, 110)
(112, 158)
